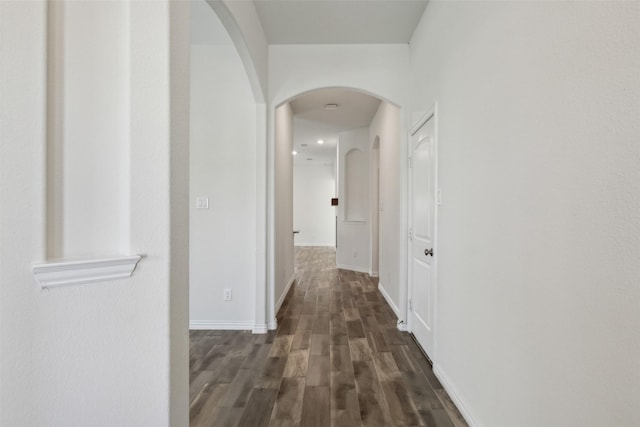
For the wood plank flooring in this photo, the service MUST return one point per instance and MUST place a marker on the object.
(337, 359)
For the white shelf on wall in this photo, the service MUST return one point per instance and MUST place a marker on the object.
(54, 274)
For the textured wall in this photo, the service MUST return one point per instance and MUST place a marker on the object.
(223, 158)
(104, 353)
(387, 126)
(282, 237)
(353, 233)
(538, 320)
(313, 215)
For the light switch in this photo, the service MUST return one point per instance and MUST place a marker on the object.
(202, 203)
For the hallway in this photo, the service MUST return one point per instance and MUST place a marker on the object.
(336, 359)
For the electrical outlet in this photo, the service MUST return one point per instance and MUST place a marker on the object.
(227, 294)
(202, 203)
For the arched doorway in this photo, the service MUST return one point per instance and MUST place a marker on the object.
(357, 243)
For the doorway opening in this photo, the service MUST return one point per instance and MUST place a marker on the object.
(362, 134)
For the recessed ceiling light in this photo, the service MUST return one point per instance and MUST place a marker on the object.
(330, 106)
(294, 152)
(320, 142)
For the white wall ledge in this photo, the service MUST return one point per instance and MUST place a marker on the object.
(76, 272)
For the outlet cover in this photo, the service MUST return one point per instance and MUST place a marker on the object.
(202, 203)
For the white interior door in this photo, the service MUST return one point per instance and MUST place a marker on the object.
(421, 235)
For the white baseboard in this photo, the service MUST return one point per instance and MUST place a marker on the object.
(454, 395)
(216, 325)
(387, 298)
(284, 293)
(353, 268)
(317, 245)
(273, 325)
(260, 328)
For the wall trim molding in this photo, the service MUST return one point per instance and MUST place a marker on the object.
(285, 292)
(261, 328)
(52, 274)
(454, 395)
(217, 325)
(387, 298)
(316, 245)
(353, 268)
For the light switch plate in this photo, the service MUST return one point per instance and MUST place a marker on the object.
(202, 203)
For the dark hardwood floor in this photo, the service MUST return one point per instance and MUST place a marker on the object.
(337, 359)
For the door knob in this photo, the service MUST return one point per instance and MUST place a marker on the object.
(428, 252)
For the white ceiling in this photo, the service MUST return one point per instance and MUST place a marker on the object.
(339, 21)
(309, 132)
(355, 109)
(322, 21)
(313, 122)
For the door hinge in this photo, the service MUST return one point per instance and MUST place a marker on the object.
(410, 233)
(410, 305)
(410, 162)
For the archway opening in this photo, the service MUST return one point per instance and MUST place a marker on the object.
(348, 122)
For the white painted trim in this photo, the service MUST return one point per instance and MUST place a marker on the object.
(285, 292)
(261, 290)
(387, 298)
(273, 325)
(403, 301)
(260, 329)
(455, 396)
(66, 272)
(216, 325)
(418, 124)
(353, 268)
(316, 245)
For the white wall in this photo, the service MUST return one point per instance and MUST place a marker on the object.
(88, 166)
(375, 207)
(538, 130)
(283, 252)
(243, 26)
(380, 70)
(104, 353)
(243, 23)
(313, 215)
(223, 158)
(353, 249)
(387, 126)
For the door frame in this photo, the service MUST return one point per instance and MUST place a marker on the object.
(431, 114)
